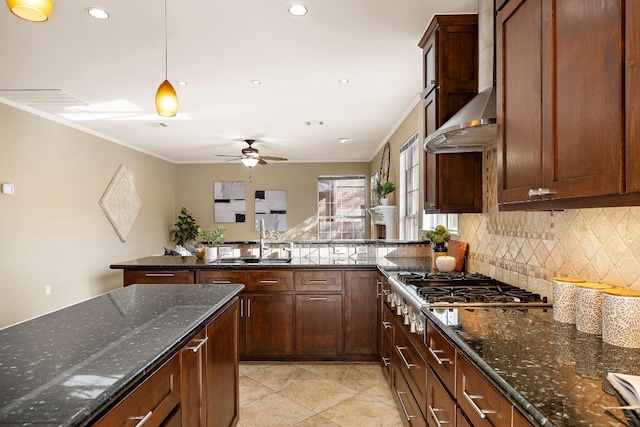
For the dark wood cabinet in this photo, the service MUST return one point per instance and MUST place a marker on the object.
(632, 101)
(211, 277)
(193, 396)
(361, 314)
(409, 407)
(319, 325)
(441, 408)
(453, 182)
(222, 385)
(318, 280)
(159, 277)
(519, 420)
(441, 355)
(268, 325)
(561, 109)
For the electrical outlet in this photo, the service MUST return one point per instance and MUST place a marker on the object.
(340, 250)
(47, 289)
(224, 250)
(361, 249)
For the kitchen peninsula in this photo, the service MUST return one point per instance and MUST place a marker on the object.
(98, 361)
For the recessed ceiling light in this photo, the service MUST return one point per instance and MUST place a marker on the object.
(256, 82)
(98, 13)
(344, 80)
(343, 140)
(182, 82)
(298, 9)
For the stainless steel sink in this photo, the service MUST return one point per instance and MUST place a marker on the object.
(239, 261)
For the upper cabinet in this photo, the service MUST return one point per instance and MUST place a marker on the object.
(561, 104)
(453, 182)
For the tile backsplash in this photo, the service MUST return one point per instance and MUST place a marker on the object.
(528, 249)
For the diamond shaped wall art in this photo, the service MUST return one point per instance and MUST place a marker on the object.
(121, 204)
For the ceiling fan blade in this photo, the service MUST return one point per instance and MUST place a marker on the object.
(226, 155)
(261, 161)
(233, 160)
(272, 158)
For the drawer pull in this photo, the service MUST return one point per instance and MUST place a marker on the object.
(241, 308)
(482, 412)
(199, 346)
(539, 192)
(440, 361)
(404, 408)
(269, 281)
(386, 324)
(142, 419)
(248, 308)
(404, 359)
(159, 275)
(435, 417)
(317, 281)
(386, 361)
(318, 298)
(219, 282)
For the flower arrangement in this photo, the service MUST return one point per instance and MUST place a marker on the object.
(213, 237)
(439, 235)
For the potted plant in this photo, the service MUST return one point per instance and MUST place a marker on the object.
(186, 228)
(212, 238)
(382, 189)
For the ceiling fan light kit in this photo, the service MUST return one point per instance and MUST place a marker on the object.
(250, 156)
(31, 10)
(249, 161)
(166, 97)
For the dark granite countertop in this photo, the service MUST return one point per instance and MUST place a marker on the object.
(193, 263)
(547, 369)
(65, 367)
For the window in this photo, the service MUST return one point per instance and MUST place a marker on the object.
(448, 220)
(409, 204)
(341, 207)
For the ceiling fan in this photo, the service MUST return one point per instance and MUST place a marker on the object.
(250, 156)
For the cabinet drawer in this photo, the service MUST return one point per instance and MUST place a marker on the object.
(269, 281)
(409, 408)
(441, 409)
(155, 399)
(318, 281)
(221, 276)
(478, 399)
(441, 356)
(412, 365)
(385, 359)
(387, 324)
(159, 277)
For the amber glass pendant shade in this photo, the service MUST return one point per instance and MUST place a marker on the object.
(31, 10)
(166, 100)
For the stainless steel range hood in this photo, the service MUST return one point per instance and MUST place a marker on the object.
(474, 126)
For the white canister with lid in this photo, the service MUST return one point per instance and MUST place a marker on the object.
(621, 317)
(589, 307)
(564, 299)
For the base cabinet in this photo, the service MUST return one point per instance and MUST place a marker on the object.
(319, 325)
(268, 325)
(361, 314)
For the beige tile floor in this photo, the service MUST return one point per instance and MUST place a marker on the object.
(282, 394)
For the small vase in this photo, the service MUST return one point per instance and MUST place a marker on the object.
(210, 252)
(384, 201)
(439, 249)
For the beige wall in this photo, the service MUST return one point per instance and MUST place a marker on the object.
(528, 249)
(53, 230)
(194, 191)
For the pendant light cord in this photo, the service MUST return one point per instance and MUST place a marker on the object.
(166, 44)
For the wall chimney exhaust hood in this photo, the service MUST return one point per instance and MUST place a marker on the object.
(474, 126)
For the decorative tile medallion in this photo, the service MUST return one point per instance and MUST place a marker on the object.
(121, 204)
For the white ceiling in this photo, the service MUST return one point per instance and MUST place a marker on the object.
(115, 66)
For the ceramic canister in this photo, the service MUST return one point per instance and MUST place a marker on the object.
(589, 307)
(621, 317)
(564, 299)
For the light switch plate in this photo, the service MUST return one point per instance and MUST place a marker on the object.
(7, 188)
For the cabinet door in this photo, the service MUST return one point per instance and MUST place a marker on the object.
(159, 277)
(269, 325)
(520, 420)
(319, 325)
(519, 97)
(632, 100)
(410, 410)
(441, 409)
(222, 369)
(441, 356)
(193, 400)
(361, 313)
(582, 97)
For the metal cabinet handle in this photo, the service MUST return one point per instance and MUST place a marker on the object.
(248, 307)
(159, 275)
(219, 282)
(539, 192)
(482, 412)
(404, 408)
(434, 354)
(199, 346)
(143, 419)
(317, 281)
(241, 308)
(318, 298)
(433, 411)
(386, 324)
(386, 361)
(268, 281)
(404, 359)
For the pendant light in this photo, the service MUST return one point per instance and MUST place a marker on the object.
(31, 10)
(166, 97)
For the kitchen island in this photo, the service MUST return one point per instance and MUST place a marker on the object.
(72, 366)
